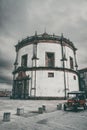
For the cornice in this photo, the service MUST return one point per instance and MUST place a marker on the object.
(45, 69)
(44, 38)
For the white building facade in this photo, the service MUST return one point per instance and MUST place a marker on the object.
(45, 67)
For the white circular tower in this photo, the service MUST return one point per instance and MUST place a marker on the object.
(45, 67)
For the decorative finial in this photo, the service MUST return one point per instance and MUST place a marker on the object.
(35, 33)
(61, 38)
(45, 30)
(53, 34)
(18, 41)
(61, 35)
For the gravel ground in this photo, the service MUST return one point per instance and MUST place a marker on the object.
(51, 119)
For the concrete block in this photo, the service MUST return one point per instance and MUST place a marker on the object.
(20, 111)
(40, 110)
(59, 106)
(6, 116)
(44, 107)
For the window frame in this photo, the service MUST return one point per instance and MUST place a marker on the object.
(50, 74)
(71, 62)
(52, 61)
(24, 60)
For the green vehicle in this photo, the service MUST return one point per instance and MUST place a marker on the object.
(75, 100)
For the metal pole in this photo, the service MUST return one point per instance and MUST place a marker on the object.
(63, 66)
(75, 60)
(65, 82)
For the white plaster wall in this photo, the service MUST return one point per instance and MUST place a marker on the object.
(49, 86)
(42, 48)
(54, 86)
(73, 84)
(69, 52)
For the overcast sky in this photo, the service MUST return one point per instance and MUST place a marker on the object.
(21, 18)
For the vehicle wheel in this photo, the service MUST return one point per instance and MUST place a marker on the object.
(75, 108)
(64, 107)
(84, 107)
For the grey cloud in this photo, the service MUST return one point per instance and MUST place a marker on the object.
(13, 17)
(5, 80)
(5, 64)
(5, 69)
(21, 18)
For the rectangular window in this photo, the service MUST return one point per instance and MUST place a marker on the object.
(71, 63)
(74, 77)
(24, 60)
(50, 74)
(49, 59)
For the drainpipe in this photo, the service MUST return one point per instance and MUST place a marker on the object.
(63, 61)
(34, 64)
(75, 60)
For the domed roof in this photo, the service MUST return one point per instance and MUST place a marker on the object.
(43, 37)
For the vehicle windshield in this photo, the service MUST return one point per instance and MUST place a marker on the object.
(71, 96)
(76, 96)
